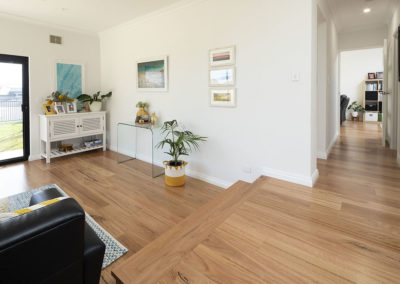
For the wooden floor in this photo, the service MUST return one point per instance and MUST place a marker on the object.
(344, 230)
(123, 198)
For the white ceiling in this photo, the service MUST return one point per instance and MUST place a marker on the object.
(349, 14)
(84, 15)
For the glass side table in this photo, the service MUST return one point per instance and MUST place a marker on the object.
(127, 144)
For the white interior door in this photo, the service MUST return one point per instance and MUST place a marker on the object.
(385, 91)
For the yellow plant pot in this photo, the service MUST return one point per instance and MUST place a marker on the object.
(142, 112)
(175, 175)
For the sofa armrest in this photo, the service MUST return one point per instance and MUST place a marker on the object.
(93, 256)
(45, 195)
(43, 243)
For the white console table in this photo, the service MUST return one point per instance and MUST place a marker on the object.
(54, 128)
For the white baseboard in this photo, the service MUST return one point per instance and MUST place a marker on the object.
(322, 155)
(201, 176)
(290, 177)
(34, 157)
(325, 155)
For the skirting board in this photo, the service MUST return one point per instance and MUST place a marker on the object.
(324, 156)
(204, 177)
(294, 178)
(34, 157)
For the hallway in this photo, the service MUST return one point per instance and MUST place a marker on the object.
(344, 230)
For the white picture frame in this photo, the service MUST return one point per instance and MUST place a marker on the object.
(222, 56)
(223, 97)
(148, 80)
(59, 107)
(71, 107)
(222, 76)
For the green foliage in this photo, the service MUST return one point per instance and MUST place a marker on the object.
(59, 97)
(10, 136)
(142, 105)
(180, 143)
(356, 107)
(94, 98)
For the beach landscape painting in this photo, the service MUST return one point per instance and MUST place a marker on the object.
(223, 97)
(69, 78)
(222, 76)
(152, 74)
(222, 56)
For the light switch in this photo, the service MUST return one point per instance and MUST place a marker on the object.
(295, 76)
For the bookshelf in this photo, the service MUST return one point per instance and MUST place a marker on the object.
(372, 99)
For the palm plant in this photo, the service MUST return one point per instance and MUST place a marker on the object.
(181, 142)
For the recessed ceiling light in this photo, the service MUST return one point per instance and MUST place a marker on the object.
(366, 10)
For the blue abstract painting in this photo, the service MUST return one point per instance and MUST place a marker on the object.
(69, 79)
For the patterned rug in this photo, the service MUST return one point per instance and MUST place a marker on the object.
(114, 249)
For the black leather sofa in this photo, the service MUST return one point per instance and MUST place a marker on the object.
(344, 102)
(52, 244)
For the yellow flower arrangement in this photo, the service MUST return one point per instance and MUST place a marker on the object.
(59, 97)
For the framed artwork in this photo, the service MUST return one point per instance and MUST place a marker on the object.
(59, 107)
(222, 56)
(222, 76)
(379, 75)
(152, 74)
(70, 78)
(48, 109)
(71, 107)
(223, 97)
(371, 76)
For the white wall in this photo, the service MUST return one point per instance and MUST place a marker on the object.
(328, 98)
(270, 129)
(354, 68)
(32, 40)
(362, 39)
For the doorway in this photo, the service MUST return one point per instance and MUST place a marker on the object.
(14, 108)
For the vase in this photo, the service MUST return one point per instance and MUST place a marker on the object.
(95, 106)
(355, 113)
(175, 175)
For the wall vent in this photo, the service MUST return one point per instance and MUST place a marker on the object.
(55, 39)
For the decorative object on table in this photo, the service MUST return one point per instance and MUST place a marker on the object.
(222, 56)
(142, 116)
(59, 107)
(222, 76)
(154, 118)
(71, 107)
(93, 143)
(356, 109)
(65, 147)
(95, 100)
(59, 97)
(379, 75)
(371, 76)
(223, 97)
(180, 142)
(70, 78)
(152, 74)
(49, 108)
(114, 249)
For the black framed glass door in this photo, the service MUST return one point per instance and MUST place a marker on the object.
(14, 108)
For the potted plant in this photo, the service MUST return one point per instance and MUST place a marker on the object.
(180, 143)
(142, 116)
(356, 108)
(95, 100)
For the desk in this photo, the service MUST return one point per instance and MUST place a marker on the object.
(126, 151)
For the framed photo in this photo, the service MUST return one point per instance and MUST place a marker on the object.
(48, 109)
(71, 107)
(379, 75)
(223, 97)
(222, 76)
(70, 78)
(222, 56)
(371, 76)
(59, 107)
(152, 74)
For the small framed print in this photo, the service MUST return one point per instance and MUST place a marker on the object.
(371, 76)
(379, 75)
(71, 107)
(222, 56)
(223, 97)
(222, 76)
(48, 109)
(59, 107)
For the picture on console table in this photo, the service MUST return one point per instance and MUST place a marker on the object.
(152, 74)
(70, 78)
(223, 97)
(59, 107)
